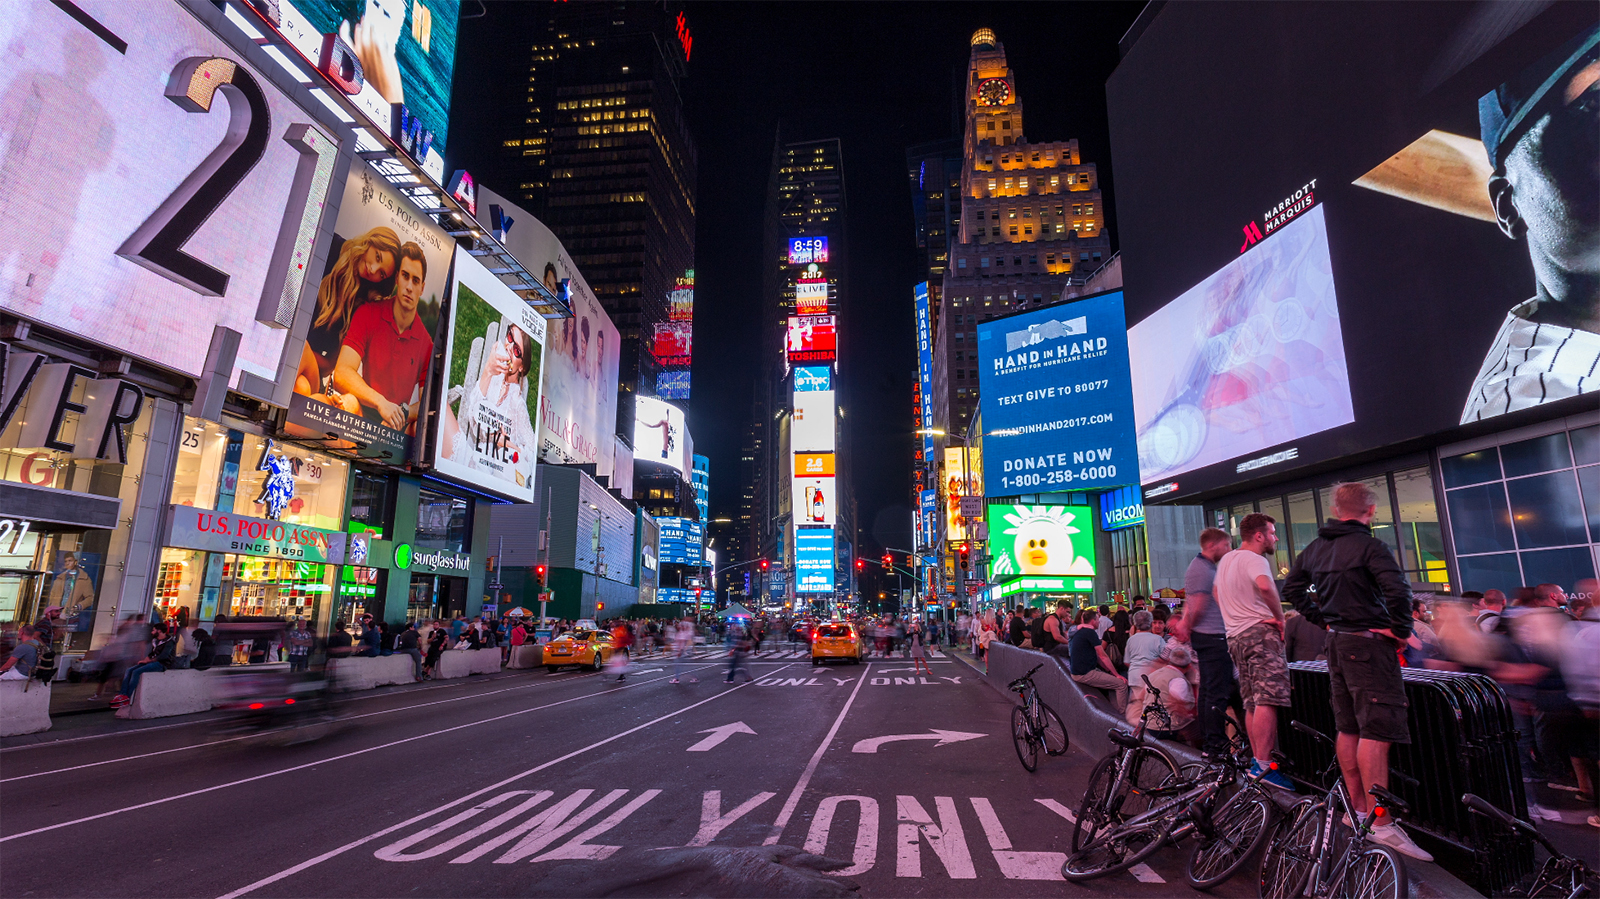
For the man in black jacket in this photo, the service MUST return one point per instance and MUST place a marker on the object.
(1347, 580)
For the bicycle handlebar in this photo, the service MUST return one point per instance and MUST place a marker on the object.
(1309, 731)
(1016, 685)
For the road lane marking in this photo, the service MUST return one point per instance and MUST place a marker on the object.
(355, 844)
(713, 821)
(1144, 874)
(946, 838)
(1015, 865)
(580, 849)
(945, 737)
(397, 851)
(790, 804)
(719, 734)
(1059, 809)
(865, 853)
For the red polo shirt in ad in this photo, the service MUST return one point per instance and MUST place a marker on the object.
(391, 363)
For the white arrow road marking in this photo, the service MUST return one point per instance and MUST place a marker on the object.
(718, 734)
(713, 821)
(1013, 864)
(943, 736)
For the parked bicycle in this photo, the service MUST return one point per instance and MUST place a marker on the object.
(1320, 849)
(1121, 784)
(1561, 875)
(1034, 725)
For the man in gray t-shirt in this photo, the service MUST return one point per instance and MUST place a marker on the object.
(23, 659)
(1202, 626)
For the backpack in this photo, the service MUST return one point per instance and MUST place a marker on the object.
(45, 671)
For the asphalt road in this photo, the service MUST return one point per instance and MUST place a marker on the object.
(573, 785)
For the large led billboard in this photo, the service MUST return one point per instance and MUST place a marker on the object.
(672, 385)
(924, 369)
(1041, 540)
(394, 58)
(659, 434)
(578, 404)
(1251, 357)
(812, 377)
(811, 292)
(812, 338)
(152, 192)
(1420, 135)
(680, 302)
(806, 250)
(963, 476)
(375, 324)
(814, 496)
(489, 401)
(812, 427)
(673, 343)
(682, 540)
(1057, 411)
(813, 560)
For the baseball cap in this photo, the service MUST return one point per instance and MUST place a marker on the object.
(1506, 112)
(1175, 653)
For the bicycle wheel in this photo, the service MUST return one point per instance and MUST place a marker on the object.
(1054, 731)
(1022, 736)
(1376, 872)
(1147, 769)
(1238, 829)
(1117, 849)
(1292, 851)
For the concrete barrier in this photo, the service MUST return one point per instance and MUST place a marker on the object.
(528, 655)
(367, 672)
(1087, 717)
(161, 694)
(462, 662)
(24, 711)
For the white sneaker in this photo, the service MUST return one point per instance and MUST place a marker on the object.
(673, 681)
(1392, 836)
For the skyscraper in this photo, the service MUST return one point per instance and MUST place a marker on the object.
(593, 142)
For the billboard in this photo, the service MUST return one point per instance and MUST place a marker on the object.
(1041, 540)
(812, 338)
(1121, 508)
(659, 434)
(394, 58)
(1427, 139)
(673, 343)
(680, 302)
(963, 476)
(153, 191)
(819, 465)
(682, 541)
(924, 371)
(672, 385)
(811, 292)
(812, 377)
(814, 499)
(578, 402)
(813, 550)
(1057, 409)
(813, 425)
(806, 250)
(1251, 357)
(489, 402)
(360, 375)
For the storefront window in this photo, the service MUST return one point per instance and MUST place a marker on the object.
(1274, 506)
(1382, 521)
(1303, 522)
(319, 484)
(203, 454)
(1423, 557)
(442, 521)
(369, 500)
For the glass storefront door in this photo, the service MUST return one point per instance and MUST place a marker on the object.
(40, 569)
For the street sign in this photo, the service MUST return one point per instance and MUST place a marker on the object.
(971, 507)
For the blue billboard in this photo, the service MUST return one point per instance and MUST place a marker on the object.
(813, 560)
(925, 369)
(928, 508)
(681, 541)
(672, 385)
(1057, 400)
(682, 594)
(812, 378)
(1121, 508)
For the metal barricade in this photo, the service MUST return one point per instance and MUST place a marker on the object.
(1462, 741)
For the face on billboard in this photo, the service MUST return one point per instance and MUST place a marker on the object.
(963, 476)
(1033, 540)
(658, 433)
(1057, 409)
(814, 562)
(489, 405)
(1249, 358)
(813, 424)
(578, 411)
(375, 323)
(1455, 203)
(150, 195)
(812, 338)
(806, 250)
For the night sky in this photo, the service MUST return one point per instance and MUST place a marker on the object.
(881, 77)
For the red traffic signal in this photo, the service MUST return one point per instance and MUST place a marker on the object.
(539, 570)
(888, 562)
(764, 564)
(860, 564)
(965, 555)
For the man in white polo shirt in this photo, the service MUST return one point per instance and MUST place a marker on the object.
(1253, 614)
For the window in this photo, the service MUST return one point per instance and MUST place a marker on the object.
(1011, 213)
(1027, 212)
(442, 522)
(1006, 124)
(1001, 260)
(961, 262)
(991, 184)
(369, 499)
(1013, 230)
(961, 374)
(991, 128)
(984, 262)
(1027, 230)
(995, 215)
(1083, 257)
(1050, 259)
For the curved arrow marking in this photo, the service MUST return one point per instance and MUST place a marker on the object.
(943, 736)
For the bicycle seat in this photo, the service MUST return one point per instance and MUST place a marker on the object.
(1393, 803)
(1123, 738)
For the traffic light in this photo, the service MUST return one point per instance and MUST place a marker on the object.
(965, 556)
(538, 575)
(888, 562)
(860, 564)
(764, 564)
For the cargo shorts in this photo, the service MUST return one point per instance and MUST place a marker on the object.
(1369, 698)
(1263, 667)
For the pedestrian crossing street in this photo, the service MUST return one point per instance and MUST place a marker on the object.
(702, 653)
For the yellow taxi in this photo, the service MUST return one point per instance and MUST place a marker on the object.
(580, 646)
(837, 640)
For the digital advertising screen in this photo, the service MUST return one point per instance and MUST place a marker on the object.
(1249, 358)
(808, 378)
(360, 377)
(928, 515)
(811, 292)
(659, 434)
(672, 385)
(403, 57)
(680, 595)
(578, 403)
(813, 560)
(812, 338)
(489, 404)
(120, 219)
(806, 250)
(1420, 147)
(963, 476)
(1054, 393)
(812, 427)
(680, 302)
(682, 540)
(1121, 508)
(1041, 540)
(673, 343)
(814, 499)
(924, 367)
